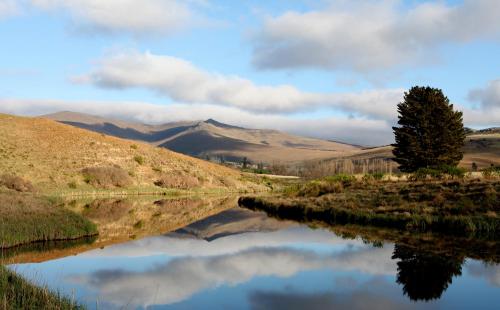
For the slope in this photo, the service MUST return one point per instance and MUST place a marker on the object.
(53, 157)
(213, 139)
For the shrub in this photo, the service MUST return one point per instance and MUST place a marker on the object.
(72, 185)
(493, 171)
(319, 188)
(377, 176)
(106, 177)
(180, 182)
(453, 171)
(134, 146)
(345, 179)
(16, 183)
(139, 159)
(438, 173)
(425, 173)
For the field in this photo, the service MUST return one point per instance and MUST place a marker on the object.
(467, 207)
(60, 159)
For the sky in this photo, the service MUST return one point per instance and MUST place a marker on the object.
(332, 69)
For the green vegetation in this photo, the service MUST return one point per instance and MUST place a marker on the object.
(442, 172)
(431, 133)
(17, 293)
(25, 218)
(139, 159)
(450, 206)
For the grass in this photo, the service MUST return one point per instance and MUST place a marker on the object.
(17, 293)
(25, 218)
(53, 156)
(452, 206)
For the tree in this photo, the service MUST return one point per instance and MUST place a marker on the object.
(423, 274)
(430, 133)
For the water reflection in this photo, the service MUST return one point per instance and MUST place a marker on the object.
(244, 259)
(425, 275)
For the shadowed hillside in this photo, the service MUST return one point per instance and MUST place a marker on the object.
(213, 139)
(55, 156)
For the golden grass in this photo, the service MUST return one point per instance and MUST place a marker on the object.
(52, 156)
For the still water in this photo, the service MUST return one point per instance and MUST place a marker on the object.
(240, 259)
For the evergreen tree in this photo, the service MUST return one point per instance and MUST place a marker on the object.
(430, 133)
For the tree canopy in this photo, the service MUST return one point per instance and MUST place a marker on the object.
(430, 133)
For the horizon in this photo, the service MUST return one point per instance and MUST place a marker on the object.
(332, 70)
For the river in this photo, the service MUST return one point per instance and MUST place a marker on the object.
(241, 259)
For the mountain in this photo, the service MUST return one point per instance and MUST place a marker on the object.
(231, 222)
(54, 156)
(211, 138)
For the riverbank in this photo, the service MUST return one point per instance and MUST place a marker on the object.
(17, 293)
(26, 218)
(451, 206)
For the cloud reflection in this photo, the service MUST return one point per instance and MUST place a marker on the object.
(180, 278)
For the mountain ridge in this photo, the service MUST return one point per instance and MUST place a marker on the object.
(213, 139)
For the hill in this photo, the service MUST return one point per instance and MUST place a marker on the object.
(55, 157)
(212, 139)
(480, 148)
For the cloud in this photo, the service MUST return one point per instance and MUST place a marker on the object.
(491, 273)
(184, 82)
(366, 36)
(173, 245)
(360, 131)
(8, 8)
(131, 16)
(180, 278)
(488, 97)
(487, 110)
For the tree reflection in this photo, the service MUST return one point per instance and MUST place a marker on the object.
(425, 275)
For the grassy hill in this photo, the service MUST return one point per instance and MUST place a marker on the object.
(214, 139)
(56, 157)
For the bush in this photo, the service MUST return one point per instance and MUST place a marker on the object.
(106, 177)
(72, 185)
(139, 159)
(493, 171)
(438, 173)
(16, 183)
(453, 171)
(180, 182)
(345, 179)
(377, 176)
(320, 188)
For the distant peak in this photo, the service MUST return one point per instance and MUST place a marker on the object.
(211, 121)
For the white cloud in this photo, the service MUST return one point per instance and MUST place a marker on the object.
(489, 96)
(133, 16)
(487, 110)
(371, 35)
(8, 8)
(182, 81)
(360, 131)
(180, 278)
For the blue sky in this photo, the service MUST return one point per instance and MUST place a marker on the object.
(331, 69)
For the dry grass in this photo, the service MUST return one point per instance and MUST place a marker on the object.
(106, 177)
(16, 183)
(52, 156)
